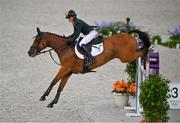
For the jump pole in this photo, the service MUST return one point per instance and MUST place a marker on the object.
(140, 76)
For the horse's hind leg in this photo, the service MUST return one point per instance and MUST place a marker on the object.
(59, 75)
(136, 55)
(61, 86)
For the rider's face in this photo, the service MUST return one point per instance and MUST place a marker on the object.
(71, 19)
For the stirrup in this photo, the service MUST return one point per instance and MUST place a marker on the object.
(86, 69)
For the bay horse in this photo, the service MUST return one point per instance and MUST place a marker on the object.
(122, 46)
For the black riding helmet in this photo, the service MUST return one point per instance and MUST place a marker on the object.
(70, 13)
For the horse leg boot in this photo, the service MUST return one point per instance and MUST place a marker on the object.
(61, 86)
(91, 59)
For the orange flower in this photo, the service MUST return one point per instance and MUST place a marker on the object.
(132, 88)
(120, 86)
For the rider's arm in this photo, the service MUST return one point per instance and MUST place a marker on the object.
(75, 35)
(70, 36)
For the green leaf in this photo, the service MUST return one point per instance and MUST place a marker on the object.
(153, 98)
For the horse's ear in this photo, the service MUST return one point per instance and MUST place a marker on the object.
(38, 31)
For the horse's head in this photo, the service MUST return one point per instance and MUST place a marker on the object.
(39, 44)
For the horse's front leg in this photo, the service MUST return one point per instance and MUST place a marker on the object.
(46, 93)
(61, 86)
(59, 75)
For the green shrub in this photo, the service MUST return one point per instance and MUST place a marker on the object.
(173, 40)
(174, 37)
(153, 98)
(107, 31)
(156, 38)
(131, 71)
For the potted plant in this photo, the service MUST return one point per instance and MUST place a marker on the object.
(174, 39)
(132, 93)
(120, 93)
(156, 39)
(153, 98)
(107, 29)
(131, 71)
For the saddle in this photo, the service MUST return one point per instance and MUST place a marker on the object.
(95, 47)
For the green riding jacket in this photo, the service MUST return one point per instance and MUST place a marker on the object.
(79, 27)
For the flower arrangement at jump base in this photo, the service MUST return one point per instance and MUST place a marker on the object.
(120, 93)
(122, 90)
(131, 88)
(132, 94)
(120, 87)
(124, 87)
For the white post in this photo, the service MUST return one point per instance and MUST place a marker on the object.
(139, 78)
(177, 46)
(138, 81)
(156, 42)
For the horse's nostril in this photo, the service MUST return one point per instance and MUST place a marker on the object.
(29, 53)
(32, 52)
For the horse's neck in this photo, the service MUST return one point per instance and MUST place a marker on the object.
(55, 41)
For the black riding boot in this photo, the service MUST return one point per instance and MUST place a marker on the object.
(90, 59)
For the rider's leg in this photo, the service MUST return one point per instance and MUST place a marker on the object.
(91, 59)
(88, 38)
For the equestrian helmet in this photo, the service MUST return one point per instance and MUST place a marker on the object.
(70, 13)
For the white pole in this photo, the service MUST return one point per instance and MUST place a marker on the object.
(140, 77)
(177, 46)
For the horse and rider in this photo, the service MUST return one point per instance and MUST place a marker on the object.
(122, 46)
(82, 27)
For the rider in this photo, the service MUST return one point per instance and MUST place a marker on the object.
(81, 27)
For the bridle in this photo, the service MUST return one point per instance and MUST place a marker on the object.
(49, 50)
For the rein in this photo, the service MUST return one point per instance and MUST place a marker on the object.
(53, 58)
(49, 54)
(45, 51)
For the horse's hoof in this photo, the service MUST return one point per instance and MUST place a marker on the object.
(42, 99)
(50, 105)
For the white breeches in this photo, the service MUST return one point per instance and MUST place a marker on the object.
(88, 38)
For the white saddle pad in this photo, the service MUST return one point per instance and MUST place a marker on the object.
(96, 50)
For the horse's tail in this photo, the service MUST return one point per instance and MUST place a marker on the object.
(145, 38)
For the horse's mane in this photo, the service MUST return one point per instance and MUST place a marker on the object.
(56, 34)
